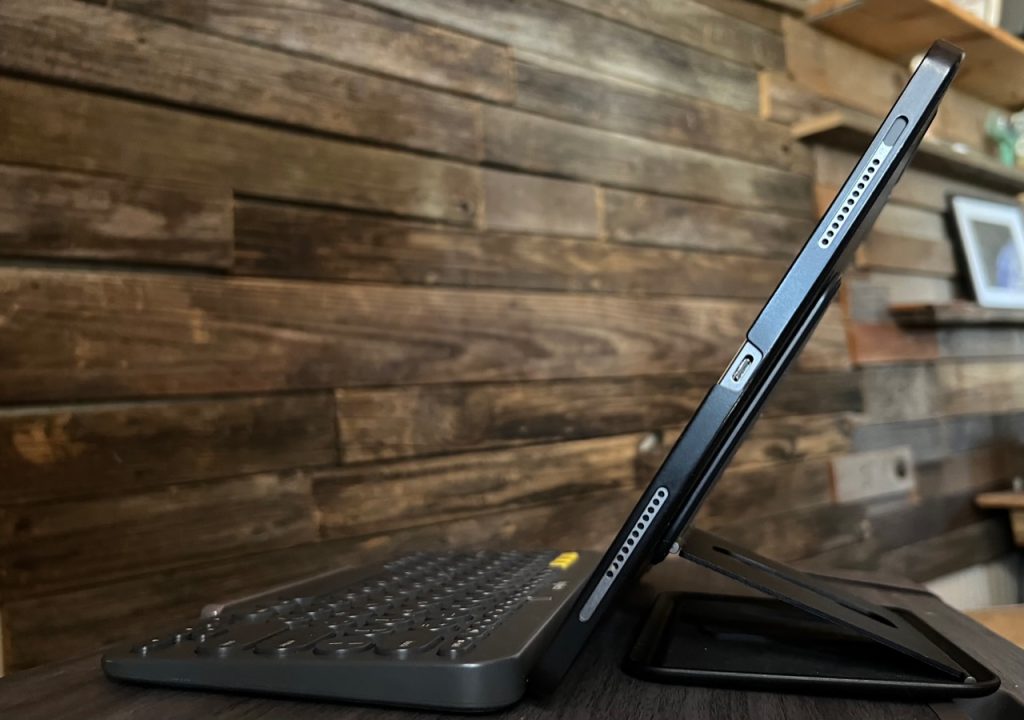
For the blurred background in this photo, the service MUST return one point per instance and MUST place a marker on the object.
(287, 286)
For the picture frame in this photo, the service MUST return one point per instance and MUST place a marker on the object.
(991, 235)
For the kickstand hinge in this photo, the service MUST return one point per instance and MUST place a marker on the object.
(814, 596)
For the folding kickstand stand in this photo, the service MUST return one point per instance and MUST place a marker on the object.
(833, 642)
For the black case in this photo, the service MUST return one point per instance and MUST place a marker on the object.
(764, 644)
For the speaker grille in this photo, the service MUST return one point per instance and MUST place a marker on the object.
(636, 533)
(863, 183)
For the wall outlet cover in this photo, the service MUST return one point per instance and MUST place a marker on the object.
(876, 474)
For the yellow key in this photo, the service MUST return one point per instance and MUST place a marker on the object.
(565, 560)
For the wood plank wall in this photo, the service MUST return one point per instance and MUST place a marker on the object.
(288, 286)
(950, 395)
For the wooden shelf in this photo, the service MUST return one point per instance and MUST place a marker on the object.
(1003, 500)
(900, 29)
(854, 131)
(953, 314)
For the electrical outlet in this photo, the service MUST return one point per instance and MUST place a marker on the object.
(875, 474)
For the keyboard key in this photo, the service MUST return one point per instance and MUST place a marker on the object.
(153, 644)
(254, 615)
(408, 642)
(183, 634)
(456, 648)
(343, 646)
(207, 629)
(294, 641)
(239, 638)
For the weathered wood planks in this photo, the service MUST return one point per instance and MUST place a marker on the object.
(536, 144)
(825, 65)
(696, 25)
(794, 534)
(385, 423)
(379, 498)
(918, 391)
(749, 492)
(784, 101)
(593, 42)
(517, 202)
(657, 220)
(917, 188)
(564, 91)
(354, 35)
(537, 231)
(113, 537)
(78, 216)
(87, 335)
(285, 241)
(955, 314)
(885, 251)
(76, 451)
(76, 130)
(71, 41)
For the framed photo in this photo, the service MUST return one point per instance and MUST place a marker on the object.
(992, 239)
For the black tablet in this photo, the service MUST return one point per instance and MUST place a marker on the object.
(788, 318)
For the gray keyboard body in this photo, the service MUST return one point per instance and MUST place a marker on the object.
(455, 631)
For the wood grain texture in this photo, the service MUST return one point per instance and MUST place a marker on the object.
(76, 216)
(936, 439)
(896, 219)
(974, 471)
(898, 527)
(595, 43)
(917, 188)
(102, 539)
(657, 220)
(887, 343)
(89, 132)
(825, 65)
(354, 35)
(784, 101)
(795, 534)
(543, 145)
(992, 53)
(379, 498)
(754, 13)
(883, 288)
(696, 25)
(751, 492)
(973, 165)
(284, 241)
(914, 392)
(935, 556)
(885, 251)
(515, 202)
(76, 451)
(955, 314)
(565, 92)
(806, 414)
(95, 331)
(129, 53)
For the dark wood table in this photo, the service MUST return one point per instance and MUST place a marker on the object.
(595, 688)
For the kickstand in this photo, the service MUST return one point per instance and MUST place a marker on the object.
(811, 595)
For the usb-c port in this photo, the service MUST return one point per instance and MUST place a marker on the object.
(746, 362)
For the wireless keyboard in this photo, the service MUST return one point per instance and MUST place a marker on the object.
(448, 631)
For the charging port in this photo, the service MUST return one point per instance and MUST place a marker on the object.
(742, 367)
(745, 363)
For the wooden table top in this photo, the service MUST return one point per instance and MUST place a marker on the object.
(594, 688)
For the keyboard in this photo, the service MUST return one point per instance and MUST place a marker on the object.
(453, 631)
